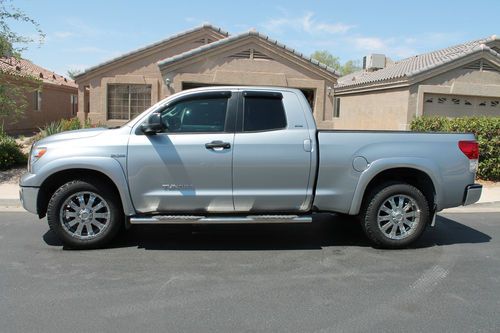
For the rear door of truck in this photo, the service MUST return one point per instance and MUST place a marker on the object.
(272, 157)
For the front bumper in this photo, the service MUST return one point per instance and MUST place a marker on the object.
(472, 194)
(28, 197)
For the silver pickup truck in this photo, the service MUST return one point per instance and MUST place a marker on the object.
(244, 155)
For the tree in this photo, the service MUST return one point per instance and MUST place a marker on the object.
(329, 59)
(350, 66)
(13, 87)
(12, 43)
(73, 72)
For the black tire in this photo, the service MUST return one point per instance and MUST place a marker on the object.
(95, 237)
(375, 206)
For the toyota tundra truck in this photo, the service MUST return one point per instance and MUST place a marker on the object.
(244, 155)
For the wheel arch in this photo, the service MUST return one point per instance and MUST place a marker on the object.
(55, 180)
(423, 178)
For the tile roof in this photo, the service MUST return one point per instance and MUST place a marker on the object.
(230, 39)
(23, 68)
(166, 40)
(406, 68)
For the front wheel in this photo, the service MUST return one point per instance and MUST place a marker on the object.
(84, 214)
(395, 215)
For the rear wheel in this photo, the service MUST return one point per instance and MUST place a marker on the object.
(84, 215)
(395, 215)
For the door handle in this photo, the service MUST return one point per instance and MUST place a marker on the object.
(217, 144)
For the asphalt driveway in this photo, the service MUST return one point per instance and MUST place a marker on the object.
(322, 277)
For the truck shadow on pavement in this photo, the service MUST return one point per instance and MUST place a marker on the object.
(325, 231)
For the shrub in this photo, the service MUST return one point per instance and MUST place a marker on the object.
(487, 131)
(10, 152)
(62, 126)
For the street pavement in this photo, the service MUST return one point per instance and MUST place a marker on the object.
(322, 277)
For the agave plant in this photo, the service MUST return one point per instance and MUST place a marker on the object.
(52, 128)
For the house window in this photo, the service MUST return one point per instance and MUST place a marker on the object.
(336, 107)
(125, 101)
(74, 104)
(37, 100)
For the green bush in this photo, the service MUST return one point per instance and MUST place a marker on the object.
(487, 131)
(10, 152)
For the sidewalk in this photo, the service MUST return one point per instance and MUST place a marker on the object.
(490, 199)
(9, 198)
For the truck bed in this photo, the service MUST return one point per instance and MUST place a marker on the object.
(347, 157)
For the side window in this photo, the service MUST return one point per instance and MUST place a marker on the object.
(199, 115)
(336, 107)
(263, 114)
(37, 100)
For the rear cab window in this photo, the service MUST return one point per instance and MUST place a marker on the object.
(263, 111)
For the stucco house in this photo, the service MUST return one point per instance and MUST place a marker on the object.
(462, 80)
(119, 89)
(49, 96)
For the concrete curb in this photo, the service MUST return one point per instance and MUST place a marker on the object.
(483, 207)
(11, 205)
(10, 202)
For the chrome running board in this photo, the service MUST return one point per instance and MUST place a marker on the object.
(194, 219)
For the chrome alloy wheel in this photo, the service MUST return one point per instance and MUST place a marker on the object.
(84, 215)
(398, 217)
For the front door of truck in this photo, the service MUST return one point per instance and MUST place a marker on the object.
(186, 168)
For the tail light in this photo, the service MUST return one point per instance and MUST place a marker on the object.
(471, 150)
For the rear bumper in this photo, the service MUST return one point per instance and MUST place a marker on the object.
(28, 197)
(472, 194)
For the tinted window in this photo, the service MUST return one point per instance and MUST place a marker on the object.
(263, 114)
(200, 115)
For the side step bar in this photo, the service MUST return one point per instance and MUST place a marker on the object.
(193, 219)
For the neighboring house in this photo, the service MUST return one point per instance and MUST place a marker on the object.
(462, 80)
(49, 96)
(119, 89)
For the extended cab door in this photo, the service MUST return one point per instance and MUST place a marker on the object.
(188, 167)
(272, 153)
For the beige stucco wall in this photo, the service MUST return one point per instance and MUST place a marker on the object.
(378, 110)
(140, 68)
(459, 81)
(215, 69)
(221, 68)
(395, 108)
(56, 105)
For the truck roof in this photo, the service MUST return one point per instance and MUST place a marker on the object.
(217, 88)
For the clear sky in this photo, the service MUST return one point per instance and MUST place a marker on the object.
(84, 33)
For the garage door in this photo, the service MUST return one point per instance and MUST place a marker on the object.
(461, 106)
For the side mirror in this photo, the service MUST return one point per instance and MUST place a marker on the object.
(153, 125)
